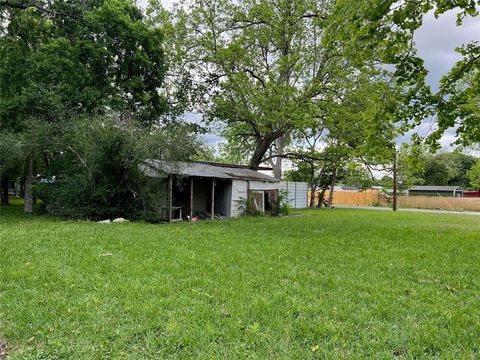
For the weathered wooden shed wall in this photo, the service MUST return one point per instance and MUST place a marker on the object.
(239, 192)
(262, 185)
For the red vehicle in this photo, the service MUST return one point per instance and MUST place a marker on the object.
(471, 193)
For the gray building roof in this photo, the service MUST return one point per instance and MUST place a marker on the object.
(436, 188)
(155, 168)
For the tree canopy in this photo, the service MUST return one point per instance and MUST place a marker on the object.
(389, 26)
(474, 176)
(449, 168)
(267, 69)
(89, 57)
(81, 87)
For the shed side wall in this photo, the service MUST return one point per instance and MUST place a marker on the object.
(239, 191)
(261, 185)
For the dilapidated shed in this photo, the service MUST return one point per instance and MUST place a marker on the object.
(211, 190)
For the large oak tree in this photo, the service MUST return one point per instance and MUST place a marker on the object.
(267, 68)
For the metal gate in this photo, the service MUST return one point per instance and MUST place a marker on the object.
(297, 193)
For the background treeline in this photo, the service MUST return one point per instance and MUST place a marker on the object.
(82, 107)
(415, 166)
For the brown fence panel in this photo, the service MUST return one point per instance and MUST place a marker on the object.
(363, 198)
(373, 197)
(439, 202)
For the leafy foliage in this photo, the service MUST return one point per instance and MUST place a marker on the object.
(474, 176)
(281, 206)
(448, 168)
(458, 102)
(64, 63)
(410, 166)
(98, 169)
(266, 70)
(98, 56)
(385, 29)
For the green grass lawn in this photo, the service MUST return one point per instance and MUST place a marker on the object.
(327, 284)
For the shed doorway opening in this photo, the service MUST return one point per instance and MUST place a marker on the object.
(271, 200)
(201, 198)
(223, 198)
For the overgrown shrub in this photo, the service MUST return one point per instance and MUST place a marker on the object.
(247, 208)
(282, 205)
(98, 169)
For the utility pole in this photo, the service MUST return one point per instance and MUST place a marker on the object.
(395, 184)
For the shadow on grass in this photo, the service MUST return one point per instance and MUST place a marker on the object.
(14, 212)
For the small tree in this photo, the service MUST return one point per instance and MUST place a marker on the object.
(11, 160)
(474, 176)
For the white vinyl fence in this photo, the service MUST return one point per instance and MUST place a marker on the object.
(297, 193)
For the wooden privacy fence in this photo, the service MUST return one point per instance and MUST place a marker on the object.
(439, 202)
(374, 198)
(363, 198)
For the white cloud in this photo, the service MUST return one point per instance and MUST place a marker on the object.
(437, 39)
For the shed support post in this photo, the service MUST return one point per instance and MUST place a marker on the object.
(213, 200)
(170, 197)
(191, 198)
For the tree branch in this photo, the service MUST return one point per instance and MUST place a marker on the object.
(296, 156)
(23, 5)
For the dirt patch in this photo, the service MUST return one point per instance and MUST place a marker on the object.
(3, 350)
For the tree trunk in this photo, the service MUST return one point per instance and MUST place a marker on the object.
(260, 149)
(313, 186)
(28, 200)
(277, 168)
(277, 164)
(313, 189)
(321, 195)
(332, 187)
(395, 182)
(4, 190)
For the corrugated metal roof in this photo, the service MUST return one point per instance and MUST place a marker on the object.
(435, 188)
(200, 169)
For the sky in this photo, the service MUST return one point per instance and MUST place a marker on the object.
(436, 41)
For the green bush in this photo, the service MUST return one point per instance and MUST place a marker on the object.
(282, 205)
(99, 175)
(247, 208)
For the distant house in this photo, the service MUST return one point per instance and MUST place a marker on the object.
(427, 190)
(210, 190)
